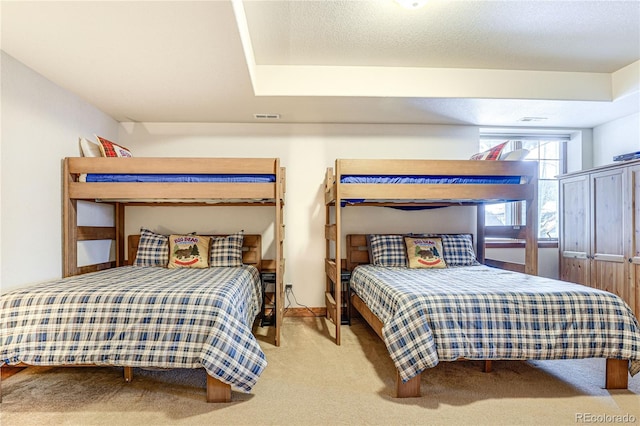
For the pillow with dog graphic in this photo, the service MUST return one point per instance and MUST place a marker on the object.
(188, 251)
(425, 252)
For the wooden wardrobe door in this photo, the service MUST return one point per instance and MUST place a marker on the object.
(634, 240)
(575, 229)
(610, 215)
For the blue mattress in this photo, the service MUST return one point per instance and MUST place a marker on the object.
(249, 178)
(409, 179)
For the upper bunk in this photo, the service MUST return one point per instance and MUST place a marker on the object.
(228, 181)
(430, 182)
(413, 184)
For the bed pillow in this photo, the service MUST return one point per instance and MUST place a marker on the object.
(227, 251)
(425, 252)
(188, 251)
(458, 250)
(153, 249)
(89, 149)
(516, 155)
(387, 250)
(112, 149)
(490, 154)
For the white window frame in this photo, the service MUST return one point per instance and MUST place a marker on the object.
(514, 212)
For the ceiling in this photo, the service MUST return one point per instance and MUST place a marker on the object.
(483, 63)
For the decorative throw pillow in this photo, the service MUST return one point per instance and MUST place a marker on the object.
(112, 149)
(458, 250)
(491, 153)
(89, 149)
(227, 251)
(425, 252)
(188, 251)
(153, 249)
(387, 250)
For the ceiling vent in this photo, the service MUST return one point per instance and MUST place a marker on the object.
(266, 116)
(528, 119)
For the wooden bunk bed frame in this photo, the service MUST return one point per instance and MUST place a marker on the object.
(217, 391)
(357, 253)
(427, 195)
(431, 195)
(176, 194)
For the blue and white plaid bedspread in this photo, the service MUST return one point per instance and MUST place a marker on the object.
(483, 313)
(139, 317)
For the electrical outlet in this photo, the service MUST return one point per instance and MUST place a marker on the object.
(288, 287)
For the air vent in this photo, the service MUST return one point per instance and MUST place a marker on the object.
(266, 116)
(526, 119)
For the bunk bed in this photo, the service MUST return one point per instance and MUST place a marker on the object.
(423, 183)
(192, 181)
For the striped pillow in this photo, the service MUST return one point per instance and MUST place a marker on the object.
(387, 250)
(153, 249)
(227, 251)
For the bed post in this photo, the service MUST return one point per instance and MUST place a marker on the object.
(279, 237)
(531, 236)
(119, 222)
(480, 233)
(617, 371)
(337, 283)
(69, 226)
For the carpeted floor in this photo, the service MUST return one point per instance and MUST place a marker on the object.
(311, 381)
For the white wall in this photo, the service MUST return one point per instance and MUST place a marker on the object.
(548, 259)
(306, 151)
(616, 137)
(41, 124)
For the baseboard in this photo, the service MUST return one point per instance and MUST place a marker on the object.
(305, 312)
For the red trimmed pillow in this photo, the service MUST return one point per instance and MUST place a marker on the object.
(491, 153)
(112, 149)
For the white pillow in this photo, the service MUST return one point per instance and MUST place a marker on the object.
(516, 155)
(89, 149)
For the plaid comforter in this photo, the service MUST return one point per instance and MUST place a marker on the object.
(482, 313)
(139, 317)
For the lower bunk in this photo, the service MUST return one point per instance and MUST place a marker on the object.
(139, 316)
(475, 312)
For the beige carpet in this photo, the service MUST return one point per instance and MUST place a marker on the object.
(311, 381)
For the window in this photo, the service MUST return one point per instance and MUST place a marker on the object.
(549, 151)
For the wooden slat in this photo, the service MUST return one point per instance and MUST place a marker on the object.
(330, 303)
(330, 269)
(94, 268)
(173, 191)
(509, 266)
(330, 232)
(480, 192)
(436, 167)
(173, 165)
(87, 233)
(366, 313)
